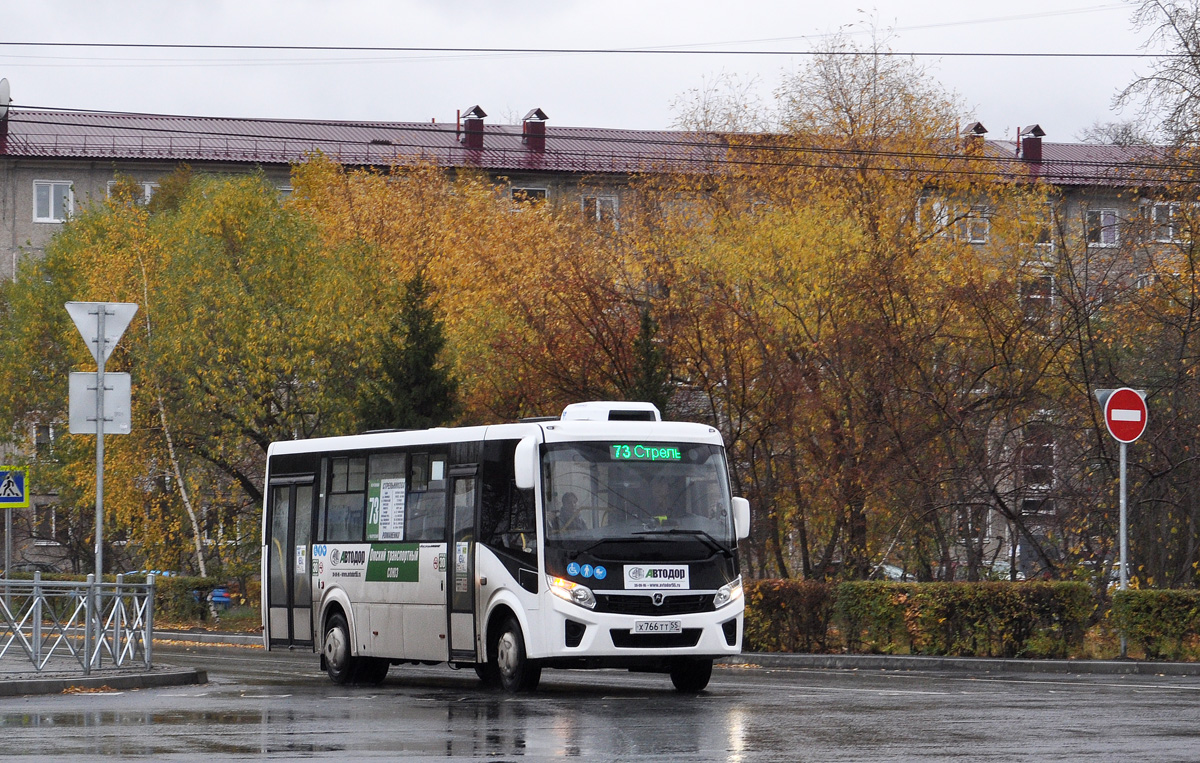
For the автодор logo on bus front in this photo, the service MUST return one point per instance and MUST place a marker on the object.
(656, 576)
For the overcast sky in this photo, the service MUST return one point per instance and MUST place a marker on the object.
(602, 90)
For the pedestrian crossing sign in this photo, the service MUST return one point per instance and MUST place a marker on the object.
(14, 487)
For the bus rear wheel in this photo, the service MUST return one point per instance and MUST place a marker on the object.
(339, 663)
(517, 673)
(691, 675)
(487, 673)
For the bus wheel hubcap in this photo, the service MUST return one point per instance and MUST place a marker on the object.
(506, 654)
(335, 648)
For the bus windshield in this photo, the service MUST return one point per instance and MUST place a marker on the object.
(596, 490)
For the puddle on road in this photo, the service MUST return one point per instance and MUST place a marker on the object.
(108, 732)
(117, 718)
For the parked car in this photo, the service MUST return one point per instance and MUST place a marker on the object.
(893, 573)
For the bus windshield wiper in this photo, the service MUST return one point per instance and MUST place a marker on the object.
(615, 539)
(708, 540)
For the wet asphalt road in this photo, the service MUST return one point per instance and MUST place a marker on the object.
(278, 705)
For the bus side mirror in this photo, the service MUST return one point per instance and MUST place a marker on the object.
(525, 463)
(741, 518)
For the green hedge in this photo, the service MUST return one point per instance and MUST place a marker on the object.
(960, 619)
(1162, 623)
(791, 616)
(965, 619)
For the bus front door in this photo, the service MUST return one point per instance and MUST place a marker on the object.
(460, 593)
(289, 579)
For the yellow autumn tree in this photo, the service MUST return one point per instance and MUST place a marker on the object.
(841, 292)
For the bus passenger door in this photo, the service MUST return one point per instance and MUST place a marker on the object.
(460, 589)
(289, 572)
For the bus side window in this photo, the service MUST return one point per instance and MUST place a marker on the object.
(425, 513)
(346, 517)
(507, 516)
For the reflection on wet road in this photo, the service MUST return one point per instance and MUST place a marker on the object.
(279, 705)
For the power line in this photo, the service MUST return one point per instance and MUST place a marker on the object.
(916, 27)
(664, 51)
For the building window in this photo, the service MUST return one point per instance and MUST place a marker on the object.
(1102, 227)
(1047, 225)
(1037, 457)
(53, 201)
(977, 224)
(145, 190)
(46, 518)
(600, 209)
(933, 216)
(1037, 294)
(220, 526)
(528, 195)
(1164, 219)
(43, 441)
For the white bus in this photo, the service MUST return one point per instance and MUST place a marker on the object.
(606, 538)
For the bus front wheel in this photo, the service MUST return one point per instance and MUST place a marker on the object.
(691, 675)
(516, 671)
(371, 671)
(339, 663)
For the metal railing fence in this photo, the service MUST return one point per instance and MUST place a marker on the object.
(77, 624)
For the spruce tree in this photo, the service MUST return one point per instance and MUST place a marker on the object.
(414, 390)
(651, 381)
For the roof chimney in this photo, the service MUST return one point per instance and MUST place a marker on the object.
(472, 136)
(533, 131)
(973, 138)
(1031, 143)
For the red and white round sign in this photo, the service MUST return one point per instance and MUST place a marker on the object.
(1125, 414)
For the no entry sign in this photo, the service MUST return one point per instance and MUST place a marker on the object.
(1125, 414)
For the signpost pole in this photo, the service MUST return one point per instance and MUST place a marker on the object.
(1124, 523)
(1125, 417)
(1124, 545)
(14, 494)
(8, 556)
(100, 448)
(97, 608)
(101, 336)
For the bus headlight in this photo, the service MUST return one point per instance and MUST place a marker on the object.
(731, 591)
(572, 592)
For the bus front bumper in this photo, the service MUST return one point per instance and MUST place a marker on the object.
(575, 632)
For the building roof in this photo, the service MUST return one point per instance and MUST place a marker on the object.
(1090, 164)
(580, 150)
(66, 134)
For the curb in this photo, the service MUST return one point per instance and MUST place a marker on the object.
(962, 664)
(850, 661)
(153, 679)
(211, 637)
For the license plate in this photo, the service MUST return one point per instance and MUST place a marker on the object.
(658, 626)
